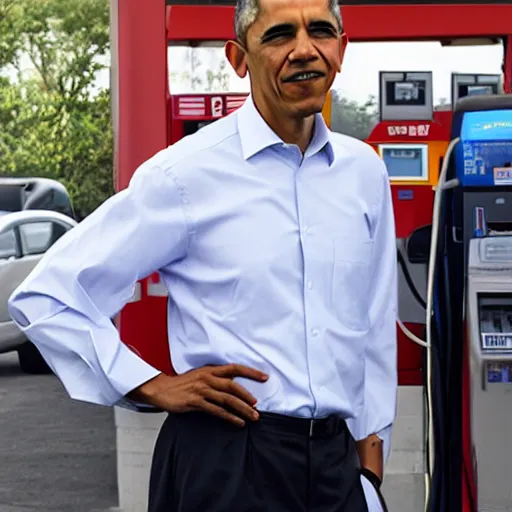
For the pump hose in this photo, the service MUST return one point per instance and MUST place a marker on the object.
(431, 322)
(409, 281)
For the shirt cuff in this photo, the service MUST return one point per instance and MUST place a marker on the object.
(127, 372)
(385, 436)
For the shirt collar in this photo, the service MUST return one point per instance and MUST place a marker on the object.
(256, 135)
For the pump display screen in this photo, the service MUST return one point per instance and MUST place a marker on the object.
(406, 93)
(476, 90)
(405, 161)
(479, 90)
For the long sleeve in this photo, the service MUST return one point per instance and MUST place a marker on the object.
(380, 393)
(66, 304)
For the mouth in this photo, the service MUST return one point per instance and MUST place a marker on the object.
(304, 76)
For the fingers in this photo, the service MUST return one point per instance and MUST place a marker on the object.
(233, 388)
(231, 371)
(215, 410)
(227, 401)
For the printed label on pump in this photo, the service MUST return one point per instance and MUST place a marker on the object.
(217, 106)
(494, 373)
(503, 175)
(496, 341)
(499, 372)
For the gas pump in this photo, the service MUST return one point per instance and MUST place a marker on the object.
(469, 313)
(464, 85)
(483, 163)
(412, 140)
(489, 309)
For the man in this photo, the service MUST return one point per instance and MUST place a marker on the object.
(276, 241)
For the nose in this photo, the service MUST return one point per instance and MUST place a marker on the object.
(304, 50)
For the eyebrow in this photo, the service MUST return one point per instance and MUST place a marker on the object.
(286, 28)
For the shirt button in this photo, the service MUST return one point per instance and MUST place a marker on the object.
(310, 284)
(314, 332)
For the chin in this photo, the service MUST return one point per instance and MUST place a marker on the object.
(311, 106)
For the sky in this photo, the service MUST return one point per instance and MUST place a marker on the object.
(360, 74)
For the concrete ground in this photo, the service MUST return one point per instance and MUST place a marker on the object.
(56, 455)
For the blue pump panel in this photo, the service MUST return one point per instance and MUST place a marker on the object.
(484, 155)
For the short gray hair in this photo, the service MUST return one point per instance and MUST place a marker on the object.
(247, 11)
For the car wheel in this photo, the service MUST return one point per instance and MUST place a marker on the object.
(31, 361)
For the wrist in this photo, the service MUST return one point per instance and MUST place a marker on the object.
(147, 393)
(371, 454)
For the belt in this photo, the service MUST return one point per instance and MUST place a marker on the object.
(306, 427)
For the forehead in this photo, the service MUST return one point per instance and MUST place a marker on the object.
(292, 11)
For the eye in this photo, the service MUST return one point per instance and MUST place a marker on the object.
(277, 32)
(323, 29)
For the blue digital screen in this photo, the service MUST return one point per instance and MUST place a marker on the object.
(405, 162)
(484, 155)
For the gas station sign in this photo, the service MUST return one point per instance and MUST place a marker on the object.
(203, 107)
(411, 130)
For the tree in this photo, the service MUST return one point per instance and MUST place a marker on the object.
(192, 75)
(54, 124)
(65, 41)
(352, 118)
(197, 77)
(218, 81)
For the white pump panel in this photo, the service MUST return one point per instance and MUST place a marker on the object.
(406, 96)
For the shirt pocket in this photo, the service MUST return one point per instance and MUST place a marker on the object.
(351, 281)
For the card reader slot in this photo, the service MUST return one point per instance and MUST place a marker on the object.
(499, 228)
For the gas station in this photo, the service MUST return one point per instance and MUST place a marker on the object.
(451, 180)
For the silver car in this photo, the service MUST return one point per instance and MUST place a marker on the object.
(24, 238)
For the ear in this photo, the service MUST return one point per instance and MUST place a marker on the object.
(343, 47)
(236, 57)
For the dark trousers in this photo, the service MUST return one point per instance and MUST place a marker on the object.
(278, 464)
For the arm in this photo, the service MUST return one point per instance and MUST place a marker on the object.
(373, 427)
(65, 305)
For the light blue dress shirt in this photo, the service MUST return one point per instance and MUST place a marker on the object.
(273, 259)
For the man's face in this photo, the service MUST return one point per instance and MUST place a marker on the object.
(293, 52)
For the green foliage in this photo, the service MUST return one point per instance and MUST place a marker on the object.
(196, 78)
(53, 123)
(10, 28)
(218, 81)
(352, 118)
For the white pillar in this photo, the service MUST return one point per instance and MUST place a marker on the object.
(404, 481)
(136, 434)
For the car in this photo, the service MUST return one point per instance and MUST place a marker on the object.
(33, 193)
(25, 236)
